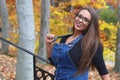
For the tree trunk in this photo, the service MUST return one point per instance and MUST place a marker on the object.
(117, 56)
(5, 25)
(71, 8)
(44, 28)
(24, 67)
(52, 2)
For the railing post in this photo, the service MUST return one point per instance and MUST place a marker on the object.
(44, 74)
(34, 62)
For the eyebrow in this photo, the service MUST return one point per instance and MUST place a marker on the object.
(84, 17)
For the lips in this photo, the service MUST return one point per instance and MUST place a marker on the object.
(78, 24)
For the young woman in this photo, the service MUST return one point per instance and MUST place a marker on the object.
(77, 52)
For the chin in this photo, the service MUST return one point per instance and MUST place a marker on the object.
(78, 28)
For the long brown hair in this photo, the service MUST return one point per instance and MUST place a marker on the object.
(90, 41)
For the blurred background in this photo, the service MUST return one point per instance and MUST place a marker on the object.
(56, 16)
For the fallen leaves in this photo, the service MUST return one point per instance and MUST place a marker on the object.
(8, 69)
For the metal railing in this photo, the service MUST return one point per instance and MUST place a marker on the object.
(44, 74)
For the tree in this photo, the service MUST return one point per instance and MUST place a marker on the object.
(44, 28)
(24, 67)
(117, 56)
(5, 25)
(52, 2)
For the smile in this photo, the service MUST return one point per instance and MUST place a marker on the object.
(78, 24)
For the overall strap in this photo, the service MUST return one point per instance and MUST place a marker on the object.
(75, 41)
(61, 36)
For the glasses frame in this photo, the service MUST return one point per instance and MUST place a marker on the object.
(84, 19)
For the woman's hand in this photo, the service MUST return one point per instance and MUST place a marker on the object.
(106, 77)
(50, 38)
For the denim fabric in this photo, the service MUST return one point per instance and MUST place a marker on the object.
(65, 69)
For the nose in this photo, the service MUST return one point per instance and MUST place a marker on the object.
(81, 19)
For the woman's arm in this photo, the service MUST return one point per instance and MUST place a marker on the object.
(99, 63)
(49, 42)
(105, 77)
(48, 49)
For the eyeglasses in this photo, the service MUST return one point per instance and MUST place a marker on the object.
(84, 19)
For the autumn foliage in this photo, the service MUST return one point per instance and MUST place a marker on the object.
(61, 20)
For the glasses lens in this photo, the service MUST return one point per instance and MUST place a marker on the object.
(84, 19)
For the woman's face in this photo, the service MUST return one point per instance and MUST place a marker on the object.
(82, 20)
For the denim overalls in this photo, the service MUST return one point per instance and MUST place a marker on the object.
(65, 68)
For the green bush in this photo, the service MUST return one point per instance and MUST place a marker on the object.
(108, 15)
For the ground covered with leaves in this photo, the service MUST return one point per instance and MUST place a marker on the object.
(8, 69)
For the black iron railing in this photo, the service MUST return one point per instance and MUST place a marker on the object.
(44, 75)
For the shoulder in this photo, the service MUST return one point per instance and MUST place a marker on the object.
(64, 37)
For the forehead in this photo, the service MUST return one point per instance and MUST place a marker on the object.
(85, 13)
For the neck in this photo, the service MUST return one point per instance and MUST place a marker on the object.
(76, 34)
